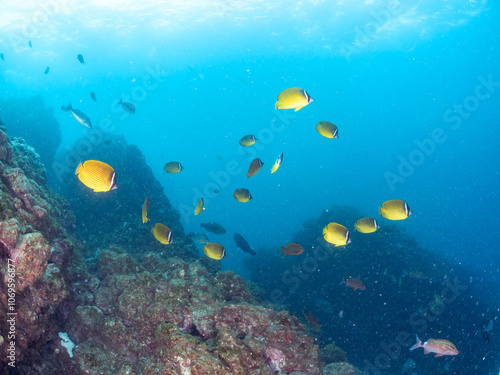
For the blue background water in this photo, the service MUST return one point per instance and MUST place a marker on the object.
(202, 75)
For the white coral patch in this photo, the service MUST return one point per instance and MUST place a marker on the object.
(67, 343)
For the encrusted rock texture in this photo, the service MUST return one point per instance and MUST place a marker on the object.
(174, 317)
(34, 242)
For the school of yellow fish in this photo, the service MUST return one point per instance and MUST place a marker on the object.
(101, 177)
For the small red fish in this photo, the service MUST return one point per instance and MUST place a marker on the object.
(354, 283)
(440, 347)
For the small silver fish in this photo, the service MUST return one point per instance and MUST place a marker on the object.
(78, 115)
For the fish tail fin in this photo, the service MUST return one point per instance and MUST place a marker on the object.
(381, 211)
(282, 249)
(120, 102)
(79, 169)
(342, 282)
(417, 345)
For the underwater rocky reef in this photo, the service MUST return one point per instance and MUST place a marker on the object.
(35, 251)
(137, 309)
(409, 290)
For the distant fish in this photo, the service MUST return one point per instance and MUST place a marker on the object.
(162, 233)
(254, 167)
(46, 70)
(311, 319)
(291, 249)
(327, 129)
(440, 347)
(293, 98)
(214, 250)
(419, 275)
(79, 57)
(213, 227)
(97, 175)
(199, 207)
(366, 225)
(92, 95)
(218, 157)
(127, 107)
(395, 209)
(243, 244)
(199, 237)
(486, 329)
(78, 115)
(277, 163)
(1, 57)
(29, 44)
(242, 195)
(336, 234)
(145, 208)
(248, 140)
(173, 167)
(195, 72)
(354, 283)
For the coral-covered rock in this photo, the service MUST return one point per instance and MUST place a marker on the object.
(178, 321)
(30, 258)
(232, 287)
(331, 353)
(32, 224)
(52, 289)
(121, 264)
(341, 368)
(9, 232)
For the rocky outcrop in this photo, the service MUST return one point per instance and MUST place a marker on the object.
(33, 224)
(173, 317)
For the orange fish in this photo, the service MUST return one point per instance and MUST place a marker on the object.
(440, 347)
(354, 283)
(311, 319)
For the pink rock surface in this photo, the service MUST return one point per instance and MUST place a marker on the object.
(30, 258)
(176, 319)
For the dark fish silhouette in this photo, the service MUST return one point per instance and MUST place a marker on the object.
(92, 95)
(80, 58)
(311, 319)
(243, 244)
(29, 44)
(213, 227)
(46, 70)
(127, 107)
(1, 57)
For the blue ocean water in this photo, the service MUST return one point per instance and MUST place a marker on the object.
(414, 88)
